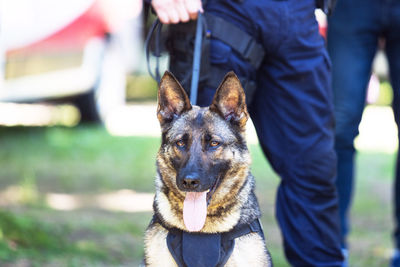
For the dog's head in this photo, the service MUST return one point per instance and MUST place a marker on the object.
(203, 160)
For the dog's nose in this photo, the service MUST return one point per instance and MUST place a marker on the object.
(190, 182)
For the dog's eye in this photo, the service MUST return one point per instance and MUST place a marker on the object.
(214, 143)
(180, 143)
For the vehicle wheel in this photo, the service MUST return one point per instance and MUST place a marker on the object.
(86, 103)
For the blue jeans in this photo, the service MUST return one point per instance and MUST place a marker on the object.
(292, 111)
(353, 33)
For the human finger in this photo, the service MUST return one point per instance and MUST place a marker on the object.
(193, 7)
(163, 16)
(172, 15)
(183, 13)
(160, 7)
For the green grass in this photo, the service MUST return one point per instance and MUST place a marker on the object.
(87, 160)
(82, 159)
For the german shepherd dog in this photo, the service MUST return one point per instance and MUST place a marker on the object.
(204, 188)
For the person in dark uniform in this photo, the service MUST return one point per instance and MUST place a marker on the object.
(275, 48)
(353, 34)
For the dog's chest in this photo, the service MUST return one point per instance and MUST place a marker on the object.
(249, 251)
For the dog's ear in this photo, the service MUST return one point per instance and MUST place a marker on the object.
(172, 99)
(230, 101)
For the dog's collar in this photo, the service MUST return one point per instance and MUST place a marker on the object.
(190, 249)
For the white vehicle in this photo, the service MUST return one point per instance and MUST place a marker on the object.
(75, 50)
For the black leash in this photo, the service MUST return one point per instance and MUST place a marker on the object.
(155, 30)
(157, 53)
(196, 59)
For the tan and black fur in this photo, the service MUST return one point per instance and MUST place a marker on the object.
(208, 143)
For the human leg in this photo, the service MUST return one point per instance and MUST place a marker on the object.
(393, 55)
(352, 45)
(293, 114)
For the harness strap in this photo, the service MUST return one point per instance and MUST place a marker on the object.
(205, 250)
(239, 40)
(244, 229)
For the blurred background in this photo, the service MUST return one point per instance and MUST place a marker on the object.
(79, 136)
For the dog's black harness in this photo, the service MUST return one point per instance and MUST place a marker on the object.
(190, 249)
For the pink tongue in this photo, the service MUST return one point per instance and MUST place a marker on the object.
(195, 210)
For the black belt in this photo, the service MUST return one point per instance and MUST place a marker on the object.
(242, 42)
